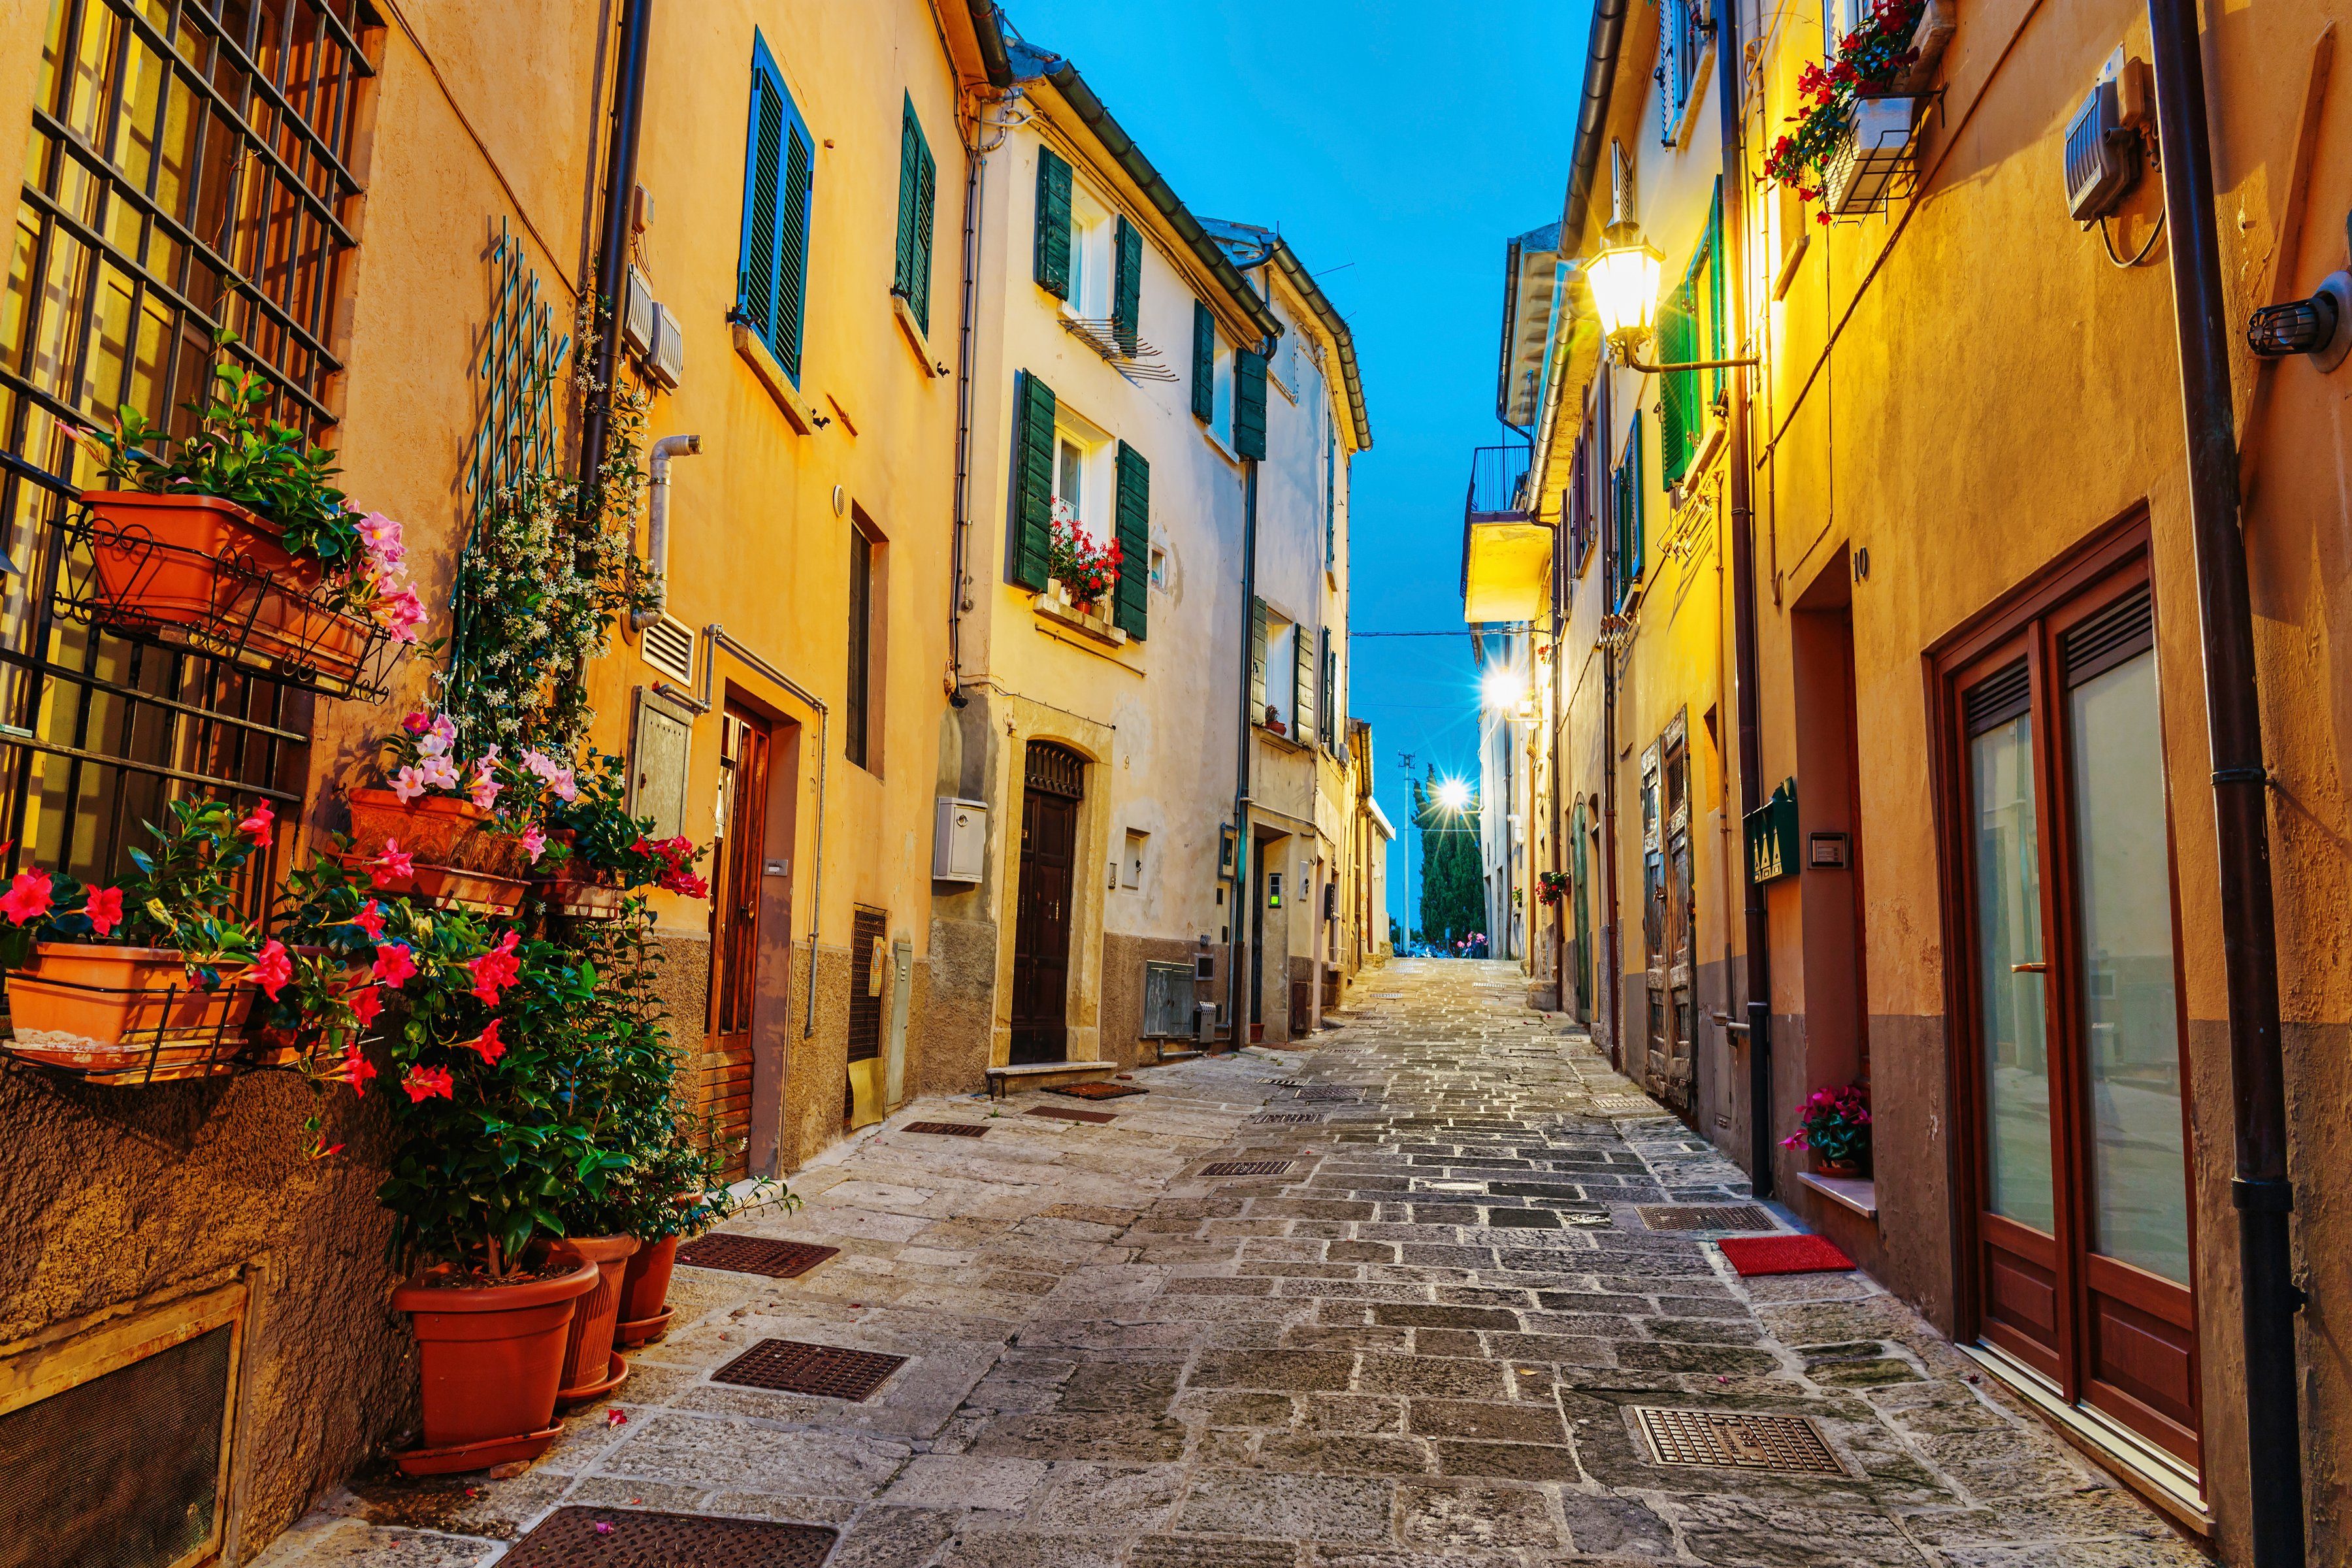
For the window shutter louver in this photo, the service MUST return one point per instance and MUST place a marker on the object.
(1204, 362)
(779, 180)
(1677, 390)
(1249, 404)
(762, 173)
(1257, 660)
(1330, 500)
(1053, 224)
(1328, 696)
(927, 199)
(917, 201)
(1717, 347)
(1131, 601)
(902, 275)
(1127, 287)
(1302, 675)
(1033, 481)
(1639, 491)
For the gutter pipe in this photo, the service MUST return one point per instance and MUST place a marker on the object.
(1732, 111)
(1612, 975)
(975, 172)
(2261, 1190)
(719, 640)
(612, 254)
(658, 523)
(1592, 112)
(1241, 1005)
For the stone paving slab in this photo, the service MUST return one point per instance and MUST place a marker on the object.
(1423, 1341)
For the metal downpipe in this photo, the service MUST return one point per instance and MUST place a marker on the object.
(2261, 1191)
(611, 253)
(1235, 997)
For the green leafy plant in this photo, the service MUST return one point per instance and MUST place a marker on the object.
(1871, 59)
(1550, 888)
(1834, 1124)
(593, 834)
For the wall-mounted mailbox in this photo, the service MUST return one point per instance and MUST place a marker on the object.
(1772, 836)
(960, 840)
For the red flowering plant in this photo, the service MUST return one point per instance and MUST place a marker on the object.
(1835, 1125)
(1550, 888)
(1085, 570)
(1869, 60)
(590, 831)
(182, 895)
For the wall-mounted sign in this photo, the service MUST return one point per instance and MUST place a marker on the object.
(1826, 851)
(1772, 836)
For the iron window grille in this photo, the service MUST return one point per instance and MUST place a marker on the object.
(188, 170)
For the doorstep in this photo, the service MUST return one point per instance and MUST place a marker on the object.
(2160, 1480)
(1046, 1075)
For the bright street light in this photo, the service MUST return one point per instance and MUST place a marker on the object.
(1624, 278)
(1504, 689)
(1453, 794)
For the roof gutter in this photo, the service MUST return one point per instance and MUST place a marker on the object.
(1155, 189)
(1592, 114)
(988, 26)
(1337, 325)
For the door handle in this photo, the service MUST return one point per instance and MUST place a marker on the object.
(2036, 967)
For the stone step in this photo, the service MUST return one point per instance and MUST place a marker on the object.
(1046, 1075)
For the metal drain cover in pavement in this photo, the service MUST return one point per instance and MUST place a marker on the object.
(627, 1537)
(1706, 1216)
(1323, 1091)
(755, 1254)
(1097, 1091)
(1272, 1117)
(1720, 1439)
(1290, 1083)
(1626, 1105)
(790, 1367)
(1246, 1168)
(1068, 1113)
(946, 1129)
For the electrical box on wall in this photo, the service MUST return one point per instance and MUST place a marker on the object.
(960, 840)
(1274, 889)
(2103, 147)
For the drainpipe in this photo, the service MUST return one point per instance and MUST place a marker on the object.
(1236, 997)
(975, 174)
(1554, 819)
(611, 256)
(658, 523)
(1731, 74)
(2261, 1191)
(1611, 977)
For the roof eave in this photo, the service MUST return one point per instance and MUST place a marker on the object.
(1351, 373)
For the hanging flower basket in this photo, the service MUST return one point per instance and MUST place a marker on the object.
(1872, 160)
(207, 574)
(124, 1014)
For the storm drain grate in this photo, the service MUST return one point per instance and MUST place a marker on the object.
(1097, 1091)
(755, 1254)
(1274, 1117)
(946, 1129)
(626, 1538)
(1069, 1113)
(1626, 1105)
(791, 1366)
(1706, 1216)
(1726, 1440)
(1323, 1091)
(1290, 1083)
(1246, 1168)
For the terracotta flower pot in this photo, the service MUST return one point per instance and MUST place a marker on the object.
(96, 1007)
(590, 1369)
(1827, 1167)
(645, 1293)
(493, 1358)
(439, 828)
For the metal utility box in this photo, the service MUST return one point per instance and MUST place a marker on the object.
(960, 840)
(2102, 155)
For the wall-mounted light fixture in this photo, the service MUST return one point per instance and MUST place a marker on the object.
(2320, 326)
(1625, 280)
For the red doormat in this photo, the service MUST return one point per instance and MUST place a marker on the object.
(1754, 1254)
(1097, 1091)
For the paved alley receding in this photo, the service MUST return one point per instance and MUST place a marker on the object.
(1421, 1340)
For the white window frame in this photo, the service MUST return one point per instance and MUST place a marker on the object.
(1093, 257)
(1097, 472)
(1282, 657)
(1221, 408)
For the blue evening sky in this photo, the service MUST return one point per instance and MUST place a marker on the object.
(1397, 146)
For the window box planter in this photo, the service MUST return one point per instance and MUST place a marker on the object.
(437, 828)
(1872, 158)
(493, 1359)
(124, 1014)
(580, 899)
(458, 858)
(204, 573)
(1056, 604)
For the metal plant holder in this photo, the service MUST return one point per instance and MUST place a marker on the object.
(1872, 166)
(160, 1042)
(278, 623)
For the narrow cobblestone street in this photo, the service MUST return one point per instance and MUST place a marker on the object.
(1418, 1343)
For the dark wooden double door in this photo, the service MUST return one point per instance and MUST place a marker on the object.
(724, 1090)
(1052, 785)
(2071, 1083)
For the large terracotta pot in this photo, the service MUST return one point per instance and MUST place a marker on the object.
(210, 565)
(590, 1369)
(493, 1358)
(438, 829)
(96, 1007)
(645, 1293)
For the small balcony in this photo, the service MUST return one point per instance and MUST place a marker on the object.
(1506, 547)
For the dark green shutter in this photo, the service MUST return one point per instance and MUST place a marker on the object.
(1033, 479)
(762, 173)
(1303, 675)
(1053, 224)
(1329, 696)
(1331, 499)
(1249, 404)
(1127, 287)
(918, 201)
(1716, 345)
(1130, 604)
(1257, 661)
(1678, 417)
(1204, 362)
(927, 201)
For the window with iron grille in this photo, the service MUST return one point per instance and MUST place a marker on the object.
(188, 170)
(866, 931)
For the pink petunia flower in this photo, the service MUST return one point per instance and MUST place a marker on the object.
(365, 1002)
(356, 1069)
(394, 865)
(273, 970)
(393, 964)
(425, 1083)
(104, 908)
(416, 723)
(257, 825)
(484, 789)
(27, 895)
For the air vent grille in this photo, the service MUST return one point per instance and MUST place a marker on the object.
(669, 647)
(2120, 631)
(1994, 701)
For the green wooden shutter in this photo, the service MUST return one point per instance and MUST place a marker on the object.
(1053, 224)
(926, 202)
(918, 178)
(1678, 415)
(1302, 675)
(1257, 661)
(1033, 479)
(1716, 345)
(1249, 404)
(1328, 696)
(911, 138)
(1127, 287)
(778, 179)
(793, 246)
(1131, 602)
(1637, 491)
(1204, 362)
(1330, 500)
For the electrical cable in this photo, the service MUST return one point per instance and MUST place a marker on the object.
(2153, 236)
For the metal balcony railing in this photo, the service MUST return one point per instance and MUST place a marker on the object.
(1498, 478)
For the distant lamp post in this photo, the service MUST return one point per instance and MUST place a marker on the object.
(1503, 689)
(1452, 794)
(1625, 280)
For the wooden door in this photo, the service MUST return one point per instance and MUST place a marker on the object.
(1041, 929)
(724, 1089)
(2072, 1012)
(1677, 1085)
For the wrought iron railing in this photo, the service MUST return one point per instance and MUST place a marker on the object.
(1497, 482)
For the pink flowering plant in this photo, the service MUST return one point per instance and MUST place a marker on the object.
(1834, 1124)
(235, 453)
(592, 834)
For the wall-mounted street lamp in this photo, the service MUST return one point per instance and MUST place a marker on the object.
(1504, 690)
(2320, 326)
(1625, 280)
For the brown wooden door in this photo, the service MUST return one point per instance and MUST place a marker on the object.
(1041, 929)
(724, 1091)
(2072, 1011)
